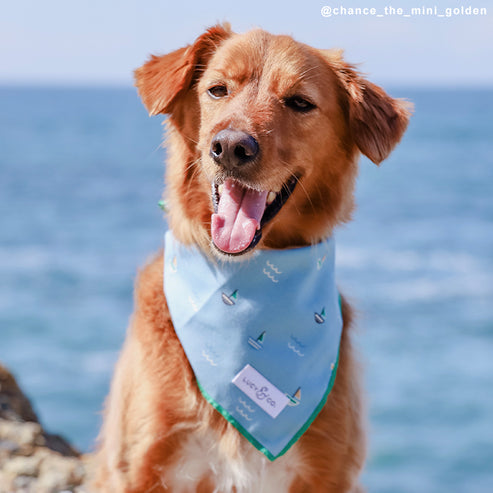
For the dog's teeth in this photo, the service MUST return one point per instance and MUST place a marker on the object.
(270, 198)
(220, 189)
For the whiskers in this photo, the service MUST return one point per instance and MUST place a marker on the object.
(192, 171)
(294, 175)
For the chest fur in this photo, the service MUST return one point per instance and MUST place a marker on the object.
(203, 459)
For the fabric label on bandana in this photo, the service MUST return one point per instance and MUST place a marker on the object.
(261, 391)
(262, 335)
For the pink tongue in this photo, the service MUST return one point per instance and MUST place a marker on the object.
(238, 217)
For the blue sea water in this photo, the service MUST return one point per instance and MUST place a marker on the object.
(80, 175)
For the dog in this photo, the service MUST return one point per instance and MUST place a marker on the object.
(263, 139)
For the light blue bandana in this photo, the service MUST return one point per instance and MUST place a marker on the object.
(262, 335)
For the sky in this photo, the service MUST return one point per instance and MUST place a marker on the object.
(101, 42)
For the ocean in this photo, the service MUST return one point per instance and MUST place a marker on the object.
(80, 177)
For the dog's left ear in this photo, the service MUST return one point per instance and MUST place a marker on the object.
(162, 80)
(376, 120)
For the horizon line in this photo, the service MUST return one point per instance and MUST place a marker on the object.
(100, 85)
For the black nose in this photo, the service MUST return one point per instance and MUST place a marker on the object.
(232, 148)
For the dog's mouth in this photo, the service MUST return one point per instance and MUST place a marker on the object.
(240, 213)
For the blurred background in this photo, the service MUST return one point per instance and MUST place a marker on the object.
(81, 173)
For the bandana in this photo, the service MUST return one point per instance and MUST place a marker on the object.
(262, 335)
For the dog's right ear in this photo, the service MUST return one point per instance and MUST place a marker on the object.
(163, 79)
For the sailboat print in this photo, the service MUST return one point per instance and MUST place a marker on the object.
(230, 300)
(320, 317)
(257, 343)
(294, 399)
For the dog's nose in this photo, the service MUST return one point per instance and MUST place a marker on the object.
(233, 148)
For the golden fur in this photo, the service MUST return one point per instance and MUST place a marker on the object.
(154, 405)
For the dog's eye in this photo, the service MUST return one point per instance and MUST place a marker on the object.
(218, 91)
(299, 104)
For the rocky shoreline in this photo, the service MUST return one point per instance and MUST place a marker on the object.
(31, 459)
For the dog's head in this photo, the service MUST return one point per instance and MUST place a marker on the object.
(264, 134)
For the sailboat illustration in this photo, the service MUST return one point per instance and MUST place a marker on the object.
(294, 399)
(320, 317)
(173, 265)
(257, 343)
(231, 299)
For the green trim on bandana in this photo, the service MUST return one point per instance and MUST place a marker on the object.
(251, 439)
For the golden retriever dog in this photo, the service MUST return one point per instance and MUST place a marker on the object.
(284, 122)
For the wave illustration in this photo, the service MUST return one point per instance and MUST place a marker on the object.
(193, 304)
(297, 351)
(270, 276)
(243, 414)
(208, 358)
(273, 267)
(249, 408)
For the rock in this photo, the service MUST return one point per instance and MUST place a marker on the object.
(14, 405)
(32, 460)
